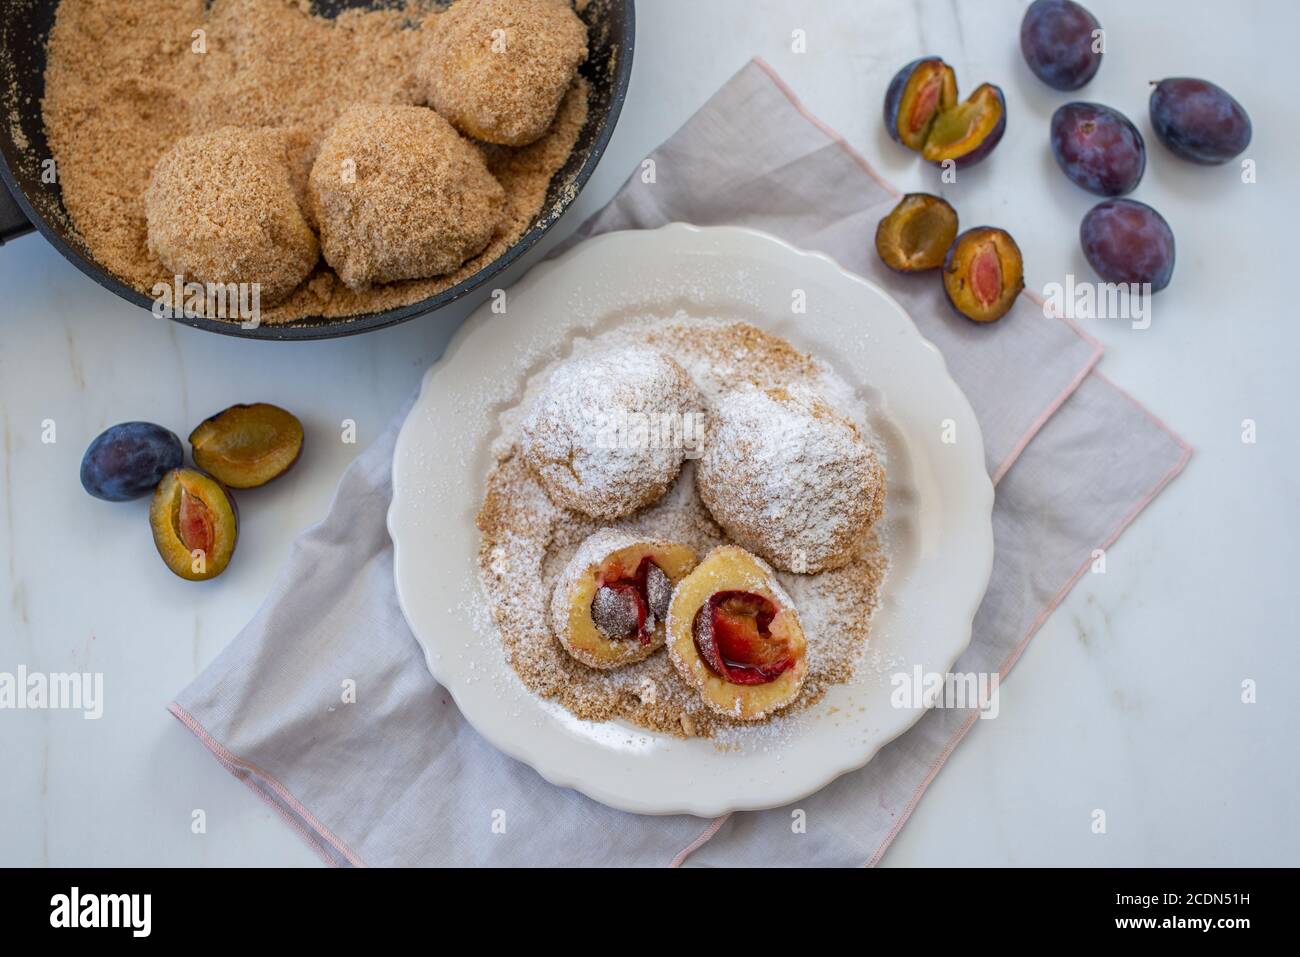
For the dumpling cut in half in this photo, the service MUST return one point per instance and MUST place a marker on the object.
(734, 635)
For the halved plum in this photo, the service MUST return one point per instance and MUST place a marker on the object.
(917, 233)
(195, 524)
(968, 132)
(733, 638)
(245, 446)
(917, 94)
(983, 273)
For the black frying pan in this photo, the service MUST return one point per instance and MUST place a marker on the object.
(26, 203)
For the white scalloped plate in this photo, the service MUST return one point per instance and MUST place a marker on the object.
(938, 523)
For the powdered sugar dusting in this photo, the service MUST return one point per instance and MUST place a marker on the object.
(571, 436)
(527, 543)
(789, 478)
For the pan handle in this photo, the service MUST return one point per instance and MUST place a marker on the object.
(13, 221)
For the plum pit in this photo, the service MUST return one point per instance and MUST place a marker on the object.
(195, 524)
(630, 606)
(983, 274)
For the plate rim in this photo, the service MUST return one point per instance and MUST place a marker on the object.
(674, 234)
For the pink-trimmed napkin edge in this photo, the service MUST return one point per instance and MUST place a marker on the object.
(243, 771)
(1038, 622)
(705, 836)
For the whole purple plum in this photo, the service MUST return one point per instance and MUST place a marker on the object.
(128, 460)
(1199, 121)
(1128, 241)
(1098, 148)
(1060, 41)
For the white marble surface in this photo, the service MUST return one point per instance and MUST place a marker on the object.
(1128, 699)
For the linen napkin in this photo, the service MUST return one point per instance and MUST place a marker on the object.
(400, 778)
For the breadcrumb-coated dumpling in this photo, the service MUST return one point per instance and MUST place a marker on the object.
(221, 207)
(497, 69)
(602, 437)
(398, 194)
(790, 478)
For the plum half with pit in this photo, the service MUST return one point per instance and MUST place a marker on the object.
(915, 234)
(128, 460)
(1061, 43)
(1127, 241)
(1098, 148)
(918, 93)
(195, 524)
(246, 446)
(983, 274)
(969, 131)
(1199, 121)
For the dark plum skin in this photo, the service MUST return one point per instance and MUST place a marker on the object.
(1098, 148)
(128, 461)
(894, 97)
(1199, 121)
(1128, 241)
(1056, 38)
